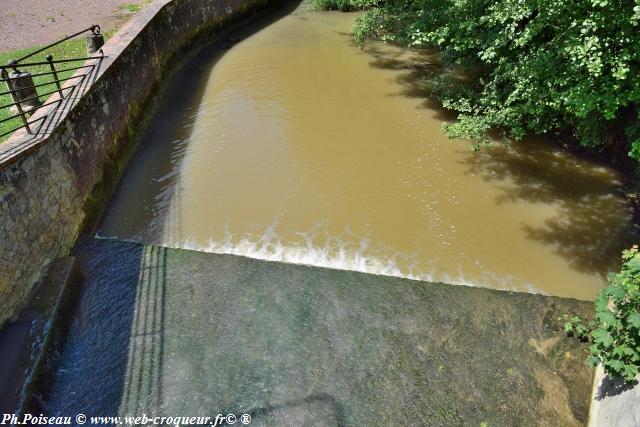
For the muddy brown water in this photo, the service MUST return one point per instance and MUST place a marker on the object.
(295, 145)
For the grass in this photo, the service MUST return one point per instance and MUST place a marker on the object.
(131, 7)
(73, 48)
(134, 7)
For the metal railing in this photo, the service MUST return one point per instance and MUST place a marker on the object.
(27, 98)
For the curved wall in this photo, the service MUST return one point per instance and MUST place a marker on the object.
(52, 183)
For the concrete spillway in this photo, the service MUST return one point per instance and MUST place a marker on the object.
(176, 332)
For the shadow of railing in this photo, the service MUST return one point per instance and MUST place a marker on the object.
(143, 379)
(336, 411)
(40, 91)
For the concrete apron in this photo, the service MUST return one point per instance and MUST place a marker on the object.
(614, 404)
(180, 333)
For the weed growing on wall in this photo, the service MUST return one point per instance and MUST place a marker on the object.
(615, 331)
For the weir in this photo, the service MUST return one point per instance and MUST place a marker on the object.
(169, 332)
(232, 271)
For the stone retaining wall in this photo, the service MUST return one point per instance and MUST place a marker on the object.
(51, 184)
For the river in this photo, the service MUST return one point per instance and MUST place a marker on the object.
(295, 145)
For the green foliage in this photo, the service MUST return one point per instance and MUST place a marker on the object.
(467, 126)
(131, 7)
(575, 327)
(635, 149)
(343, 5)
(546, 64)
(365, 25)
(615, 331)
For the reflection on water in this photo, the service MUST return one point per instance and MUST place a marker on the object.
(296, 146)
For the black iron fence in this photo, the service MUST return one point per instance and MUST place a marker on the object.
(30, 86)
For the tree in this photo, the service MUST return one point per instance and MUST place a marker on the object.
(545, 65)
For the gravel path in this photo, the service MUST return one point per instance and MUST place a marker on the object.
(26, 23)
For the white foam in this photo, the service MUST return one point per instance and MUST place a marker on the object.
(333, 252)
(318, 248)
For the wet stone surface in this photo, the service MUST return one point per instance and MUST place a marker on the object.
(174, 332)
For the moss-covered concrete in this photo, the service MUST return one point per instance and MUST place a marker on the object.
(174, 332)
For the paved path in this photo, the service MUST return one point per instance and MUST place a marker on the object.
(26, 23)
(174, 332)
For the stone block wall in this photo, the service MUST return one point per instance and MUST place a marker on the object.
(50, 184)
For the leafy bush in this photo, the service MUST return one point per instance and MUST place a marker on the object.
(547, 65)
(343, 5)
(615, 331)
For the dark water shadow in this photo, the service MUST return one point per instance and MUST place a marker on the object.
(415, 68)
(113, 361)
(88, 375)
(143, 388)
(154, 170)
(591, 225)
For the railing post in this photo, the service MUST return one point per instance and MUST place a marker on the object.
(55, 74)
(24, 91)
(14, 96)
(95, 40)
